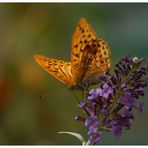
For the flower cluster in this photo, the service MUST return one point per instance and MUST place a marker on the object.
(110, 106)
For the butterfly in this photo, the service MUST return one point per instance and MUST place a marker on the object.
(90, 57)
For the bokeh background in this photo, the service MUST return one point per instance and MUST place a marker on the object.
(28, 29)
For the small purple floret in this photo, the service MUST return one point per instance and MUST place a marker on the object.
(127, 100)
(106, 91)
(94, 93)
(92, 122)
(117, 130)
(94, 136)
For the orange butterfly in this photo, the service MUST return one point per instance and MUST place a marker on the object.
(89, 58)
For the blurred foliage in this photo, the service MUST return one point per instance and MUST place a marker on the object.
(28, 29)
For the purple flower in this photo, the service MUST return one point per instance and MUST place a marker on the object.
(127, 100)
(98, 92)
(91, 94)
(126, 119)
(102, 77)
(106, 91)
(105, 109)
(94, 93)
(122, 122)
(117, 130)
(94, 136)
(92, 122)
(140, 91)
(110, 106)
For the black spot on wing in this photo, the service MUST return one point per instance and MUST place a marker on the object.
(76, 55)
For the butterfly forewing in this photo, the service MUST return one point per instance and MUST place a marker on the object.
(57, 68)
(89, 54)
(80, 50)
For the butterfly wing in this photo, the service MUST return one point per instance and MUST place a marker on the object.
(100, 61)
(57, 68)
(81, 54)
(89, 55)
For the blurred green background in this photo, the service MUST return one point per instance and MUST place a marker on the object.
(28, 29)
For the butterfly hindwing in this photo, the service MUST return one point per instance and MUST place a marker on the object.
(57, 68)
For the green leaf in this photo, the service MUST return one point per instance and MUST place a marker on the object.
(77, 135)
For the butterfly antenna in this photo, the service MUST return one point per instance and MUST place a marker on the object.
(51, 92)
